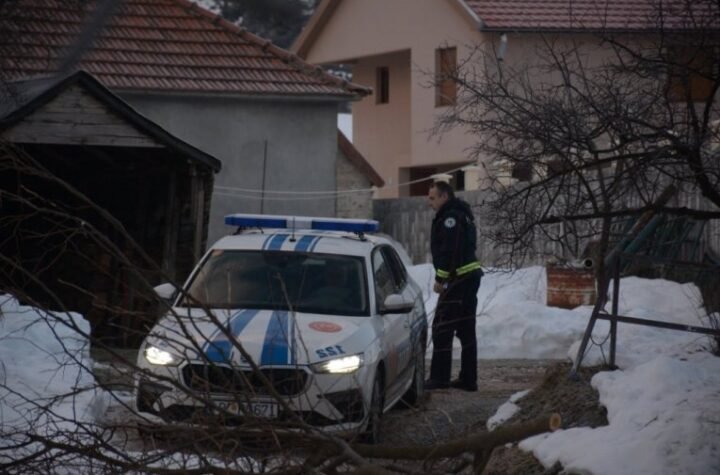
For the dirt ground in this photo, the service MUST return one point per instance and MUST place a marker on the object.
(574, 399)
(448, 414)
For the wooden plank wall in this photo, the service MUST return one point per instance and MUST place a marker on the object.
(76, 118)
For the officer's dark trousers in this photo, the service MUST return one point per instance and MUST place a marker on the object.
(455, 315)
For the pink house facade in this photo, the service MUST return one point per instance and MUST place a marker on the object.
(397, 47)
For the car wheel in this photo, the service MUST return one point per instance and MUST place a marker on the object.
(416, 391)
(375, 411)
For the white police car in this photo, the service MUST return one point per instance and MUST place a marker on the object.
(326, 313)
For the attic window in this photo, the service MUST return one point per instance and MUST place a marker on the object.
(445, 69)
(383, 85)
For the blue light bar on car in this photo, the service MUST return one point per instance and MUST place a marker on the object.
(302, 222)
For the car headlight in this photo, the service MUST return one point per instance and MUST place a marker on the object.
(156, 356)
(344, 365)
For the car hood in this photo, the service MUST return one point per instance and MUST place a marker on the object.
(269, 337)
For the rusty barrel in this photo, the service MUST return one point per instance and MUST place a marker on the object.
(570, 287)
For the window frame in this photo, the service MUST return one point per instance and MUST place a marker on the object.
(382, 85)
(397, 268)
(686, 76)
(378, 251)
(445, 65)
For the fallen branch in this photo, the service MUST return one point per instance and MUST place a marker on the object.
(474, 443)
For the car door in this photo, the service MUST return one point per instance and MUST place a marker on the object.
(403, 287)
(396, 332)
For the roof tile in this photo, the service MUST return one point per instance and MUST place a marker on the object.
(621, 15)
(164, 45)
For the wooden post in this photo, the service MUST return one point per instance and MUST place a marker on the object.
(199, 217)
(197, 197)
(615, 303)
(170, 242)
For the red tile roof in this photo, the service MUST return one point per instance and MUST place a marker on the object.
(159, 45)
(573, 15)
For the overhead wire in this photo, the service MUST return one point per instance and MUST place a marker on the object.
(251, 193)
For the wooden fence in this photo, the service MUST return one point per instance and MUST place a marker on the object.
(408, 221)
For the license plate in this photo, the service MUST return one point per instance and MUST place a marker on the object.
(256, 409)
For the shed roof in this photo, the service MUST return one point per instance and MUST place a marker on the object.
(29, 96)
(158, 45)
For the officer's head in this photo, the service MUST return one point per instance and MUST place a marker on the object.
(440, 192)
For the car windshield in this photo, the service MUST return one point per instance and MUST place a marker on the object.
(313, 283)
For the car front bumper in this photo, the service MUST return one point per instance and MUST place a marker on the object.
(335, 403)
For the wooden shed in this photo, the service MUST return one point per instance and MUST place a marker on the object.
(78, 162)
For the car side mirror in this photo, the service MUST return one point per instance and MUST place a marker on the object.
(166, 291)
(396, 303)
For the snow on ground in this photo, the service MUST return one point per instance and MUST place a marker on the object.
(47, 390)
(663, 405)
(45, 383)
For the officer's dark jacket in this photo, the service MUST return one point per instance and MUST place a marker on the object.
(453, 241)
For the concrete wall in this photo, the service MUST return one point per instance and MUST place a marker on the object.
(301, 138)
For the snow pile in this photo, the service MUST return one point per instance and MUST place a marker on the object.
(514, 322)
(664, 417)
(46, 388)
(663, 405)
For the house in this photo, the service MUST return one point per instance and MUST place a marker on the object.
(401, 46)
(267, 115)
(80, 146)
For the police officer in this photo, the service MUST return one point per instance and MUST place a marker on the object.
(457, 280)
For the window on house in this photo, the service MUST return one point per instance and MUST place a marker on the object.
(692, 72)
(522, 171)
(445, 68)
(382, 86)
(558, 166)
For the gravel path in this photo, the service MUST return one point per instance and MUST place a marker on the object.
(450, 413)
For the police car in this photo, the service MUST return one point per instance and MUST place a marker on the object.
(291, 319)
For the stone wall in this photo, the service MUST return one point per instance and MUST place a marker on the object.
(352, 205)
